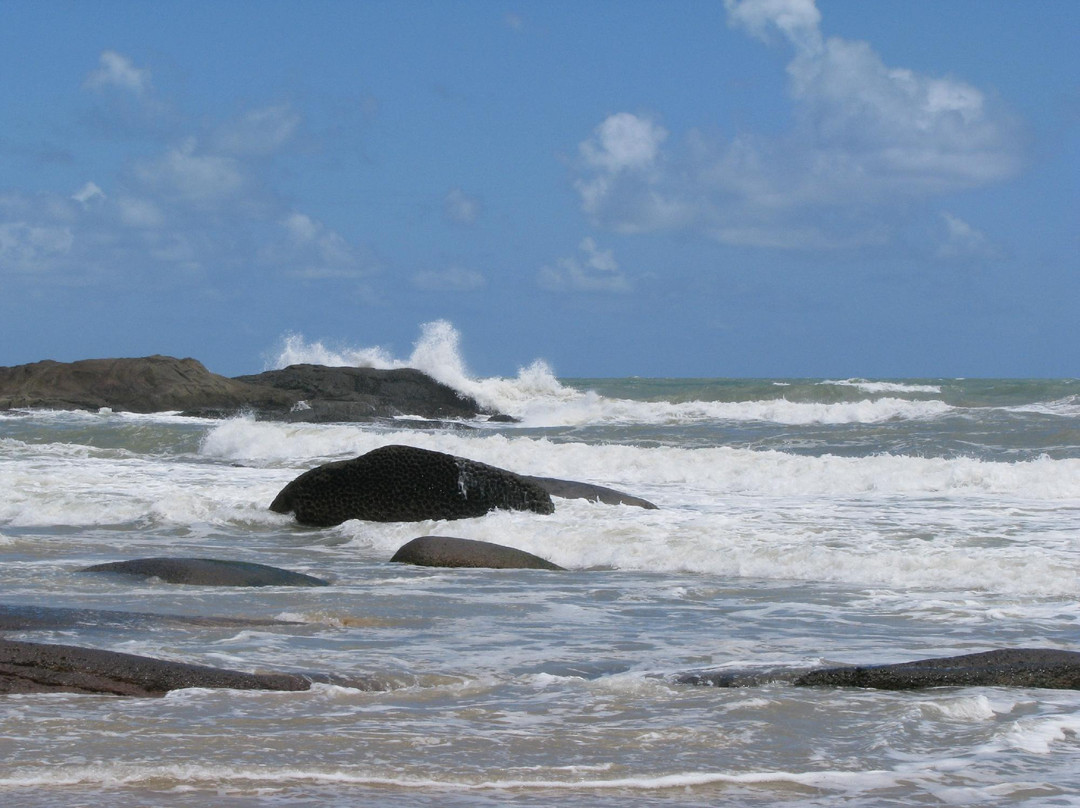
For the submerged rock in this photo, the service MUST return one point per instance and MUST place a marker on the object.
(1012, 667)
(207, 572)
(568, 489)
(447, 551)
(405, 484)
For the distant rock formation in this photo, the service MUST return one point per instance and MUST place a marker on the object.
(309, 393)
(448, 551)
(323, 394)
(406, 484)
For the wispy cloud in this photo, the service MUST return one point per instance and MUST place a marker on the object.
(117, 71)
(460, 208)
(451, 279)
(866, 138)
(590, 270)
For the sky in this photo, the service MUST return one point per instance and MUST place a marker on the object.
(743, 188)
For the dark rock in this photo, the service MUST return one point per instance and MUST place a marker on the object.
(503, 418)
(35, 618)
(446, 551)
(567, 489)
(329, 394)
(310, 393)
(28, 667)
(149, 384)
(406, 484)
(207, 572)
(1013, 667)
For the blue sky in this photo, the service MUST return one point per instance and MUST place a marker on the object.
(678, 188)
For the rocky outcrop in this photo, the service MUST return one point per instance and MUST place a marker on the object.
(310, 393)
(568, 489)
(406, 484)
(356, 394)
(207, 572)
(447, 551)
(149, 384)
(1011, 667)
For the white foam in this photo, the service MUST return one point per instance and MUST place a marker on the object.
(537, 397)
(884, 387)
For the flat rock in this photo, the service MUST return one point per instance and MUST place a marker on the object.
(207, 572)
(448, 551)
(29, 667)
(568, 489)
(1012, 667)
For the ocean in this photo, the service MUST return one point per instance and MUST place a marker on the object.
(800, 522)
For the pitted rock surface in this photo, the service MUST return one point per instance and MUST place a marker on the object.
(406, 484)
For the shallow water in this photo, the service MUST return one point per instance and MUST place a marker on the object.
(800, 521)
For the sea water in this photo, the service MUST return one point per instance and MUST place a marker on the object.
(800, 522)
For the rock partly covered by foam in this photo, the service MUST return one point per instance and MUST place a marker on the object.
(311, 393)
(354, 394)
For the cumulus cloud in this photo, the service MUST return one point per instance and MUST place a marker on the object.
(116, 70)
(452, 279)
(867, 138)
(590, 270)
(460, 208)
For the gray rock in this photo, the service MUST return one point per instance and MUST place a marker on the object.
(207, 572)
(447, 551)
(568, 489)
(1012, 667)
(405, 484)
(28, 667)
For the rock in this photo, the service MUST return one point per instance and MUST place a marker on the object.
(567, 489)
(32, 618)
(311, 393)
(446, 551)
(356, 394)
(406, 484)
(149, 384)
(1013, 667)
(29, 667)
(207, 572)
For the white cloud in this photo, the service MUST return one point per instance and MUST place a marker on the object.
(140, 213)
(26, 247)
(192, 176)
(867, 139)
(460, 208)
(89, 194)
(312, 250)
(592, 270)
(258, 132)
(964, 242)
(116, 70)
(452, 279)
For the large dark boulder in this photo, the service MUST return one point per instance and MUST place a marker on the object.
(1011, 667)
(207, 572)
(355, 394)
(406, 484)
(568, 489)
(147, 384)
(448, 551)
